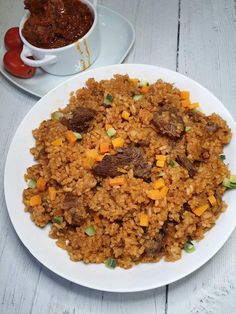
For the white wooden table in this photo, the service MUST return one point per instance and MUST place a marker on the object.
(194, 37)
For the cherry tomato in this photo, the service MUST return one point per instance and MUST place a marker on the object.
(12, 39)
(14, 65)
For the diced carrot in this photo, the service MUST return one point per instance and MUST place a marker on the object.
(97, 219)
(185, 103)
(99, 157)
(88, 163)
(200, 210)
(92, 154)
(159, 183)
(117, 181)
(71, 137)
(160, 163)
(35, 200)
(143, 220)
(108, 126)
(185, 94)
(194, 105)
(52, 193)
(125, 115)
(145, 89)
(212, 200)
(57, 142)
(154, 194)
(157, 194)
(164, 191)
(104, 147)
(118, 142)
(41, 184)
(161, 159)
(134, 81)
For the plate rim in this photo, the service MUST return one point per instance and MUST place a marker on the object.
(13, 81)
(94, 286)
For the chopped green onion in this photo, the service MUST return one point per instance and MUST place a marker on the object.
(111, 132)
(137, 97)
(222, 157)
(189, 247)
(90, 231)
(78, 136)
(107, 99)
(57, 219)
(173, 163)
(233, 179)
(187, 129)
(111, 262)
(230, 183)
(143, 83)
(32, 184)
(226, 183)
(57, 115)
(195, 110)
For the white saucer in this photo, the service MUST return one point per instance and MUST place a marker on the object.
(117, 38)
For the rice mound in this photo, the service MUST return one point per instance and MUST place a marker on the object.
(83, 199)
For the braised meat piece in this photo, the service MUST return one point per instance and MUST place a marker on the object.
(168, 121)
(131, 157)
(35, 6)
(70, 201)
(194, 116)
(186, 163)
(56, 23)
(153, 247)
(212, 127)
(79, 120)
(108, 166)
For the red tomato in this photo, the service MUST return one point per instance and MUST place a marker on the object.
(12, 39)
(14, 65)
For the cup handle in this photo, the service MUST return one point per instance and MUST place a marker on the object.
(47, 59)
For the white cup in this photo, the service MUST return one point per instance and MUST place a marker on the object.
(66, 60)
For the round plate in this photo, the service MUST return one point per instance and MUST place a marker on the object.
(36, 240)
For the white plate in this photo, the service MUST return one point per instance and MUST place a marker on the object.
(140, 277)
(117, 38)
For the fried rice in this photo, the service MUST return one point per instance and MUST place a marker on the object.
(127, 172)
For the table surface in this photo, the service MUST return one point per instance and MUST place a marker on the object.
(194, 37)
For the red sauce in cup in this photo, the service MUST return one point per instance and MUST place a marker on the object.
(56, 23)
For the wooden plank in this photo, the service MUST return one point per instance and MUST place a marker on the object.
(207, 46)
(207, 54)
(17, 266)
(25, 285)
(156, 24)
(135, 303)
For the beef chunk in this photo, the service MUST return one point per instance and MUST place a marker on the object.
(153, 247)
(70, 201)
(186, 163)
(130, 157)
(212, 127)
(143, 143)
(168, 121)
(108, 166)
(142, 170)
(194, 116)
(79, 120)
(35, 6)
(77, 219)
(205, 154)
